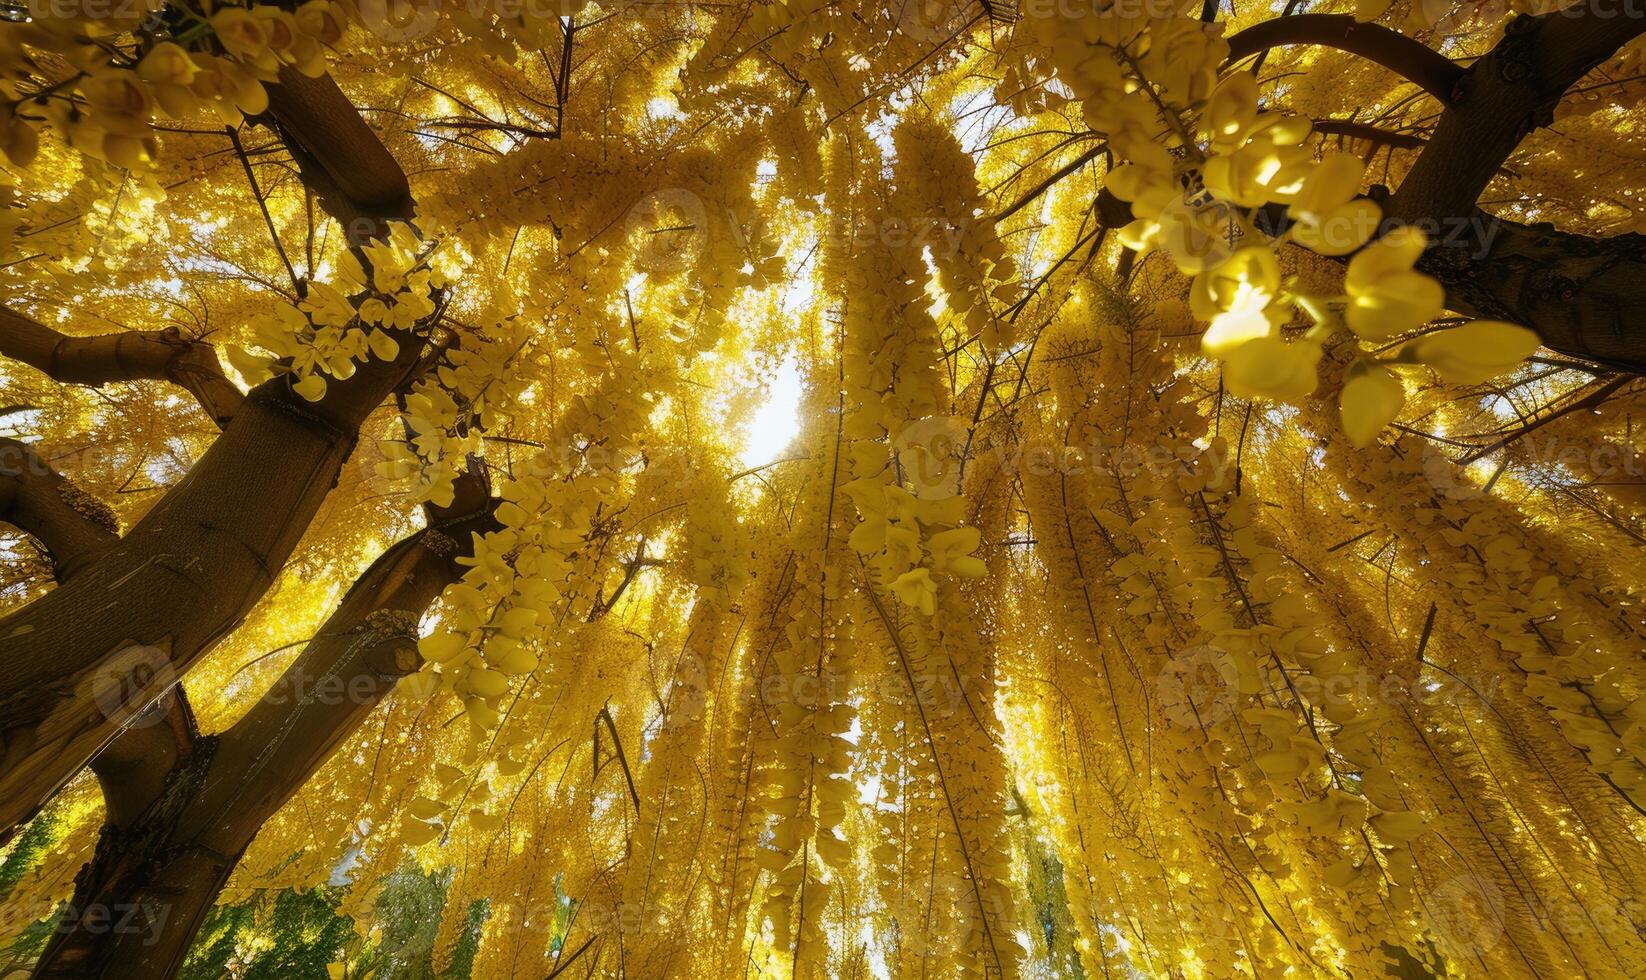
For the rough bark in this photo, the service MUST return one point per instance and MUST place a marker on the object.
(71, 525)
(170, 844)
(75, 527)
(1581, 294)
(164, 355)
(1584, 296)
(80, 662)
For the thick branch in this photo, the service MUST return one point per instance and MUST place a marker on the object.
(133, 769)
(178, 852)
(164, 355)
(73, 526)
(1503, 96)
(77, 527)
(1408, 58)
(201, 558)
(351, 172)
(1582, 295)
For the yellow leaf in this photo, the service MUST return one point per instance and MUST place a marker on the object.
(1476, 351)
(312, 386)
(418, 832)
(437, 648)
(1370, 400)
(1398, 826)
(1269, 367)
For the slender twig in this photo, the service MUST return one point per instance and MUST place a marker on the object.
(245, 162)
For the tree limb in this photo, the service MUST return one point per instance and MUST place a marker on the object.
(201, 558)
(1406, 57)
(350, 170)
(178, 848)
(1582, 295)
(163, 355)
(73, 526)
(1505, 95)
(1369, 133)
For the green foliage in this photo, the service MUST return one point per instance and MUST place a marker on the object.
(292, 934)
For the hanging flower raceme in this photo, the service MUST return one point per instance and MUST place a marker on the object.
(1199, 204)
(214, 59)
(448, 412)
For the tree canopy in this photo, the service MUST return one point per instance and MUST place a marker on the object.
(820, 488)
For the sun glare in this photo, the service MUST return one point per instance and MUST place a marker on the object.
(777, 421)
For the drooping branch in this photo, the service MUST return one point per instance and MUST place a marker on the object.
(187, 573)
(177, 848)
(1406, 57)
(163, 355)
(70, 524)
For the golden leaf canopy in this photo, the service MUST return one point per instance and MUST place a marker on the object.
(818, 488)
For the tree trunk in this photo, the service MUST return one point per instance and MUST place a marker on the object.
(1582, 295)
(80, 662)
(172, 841)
